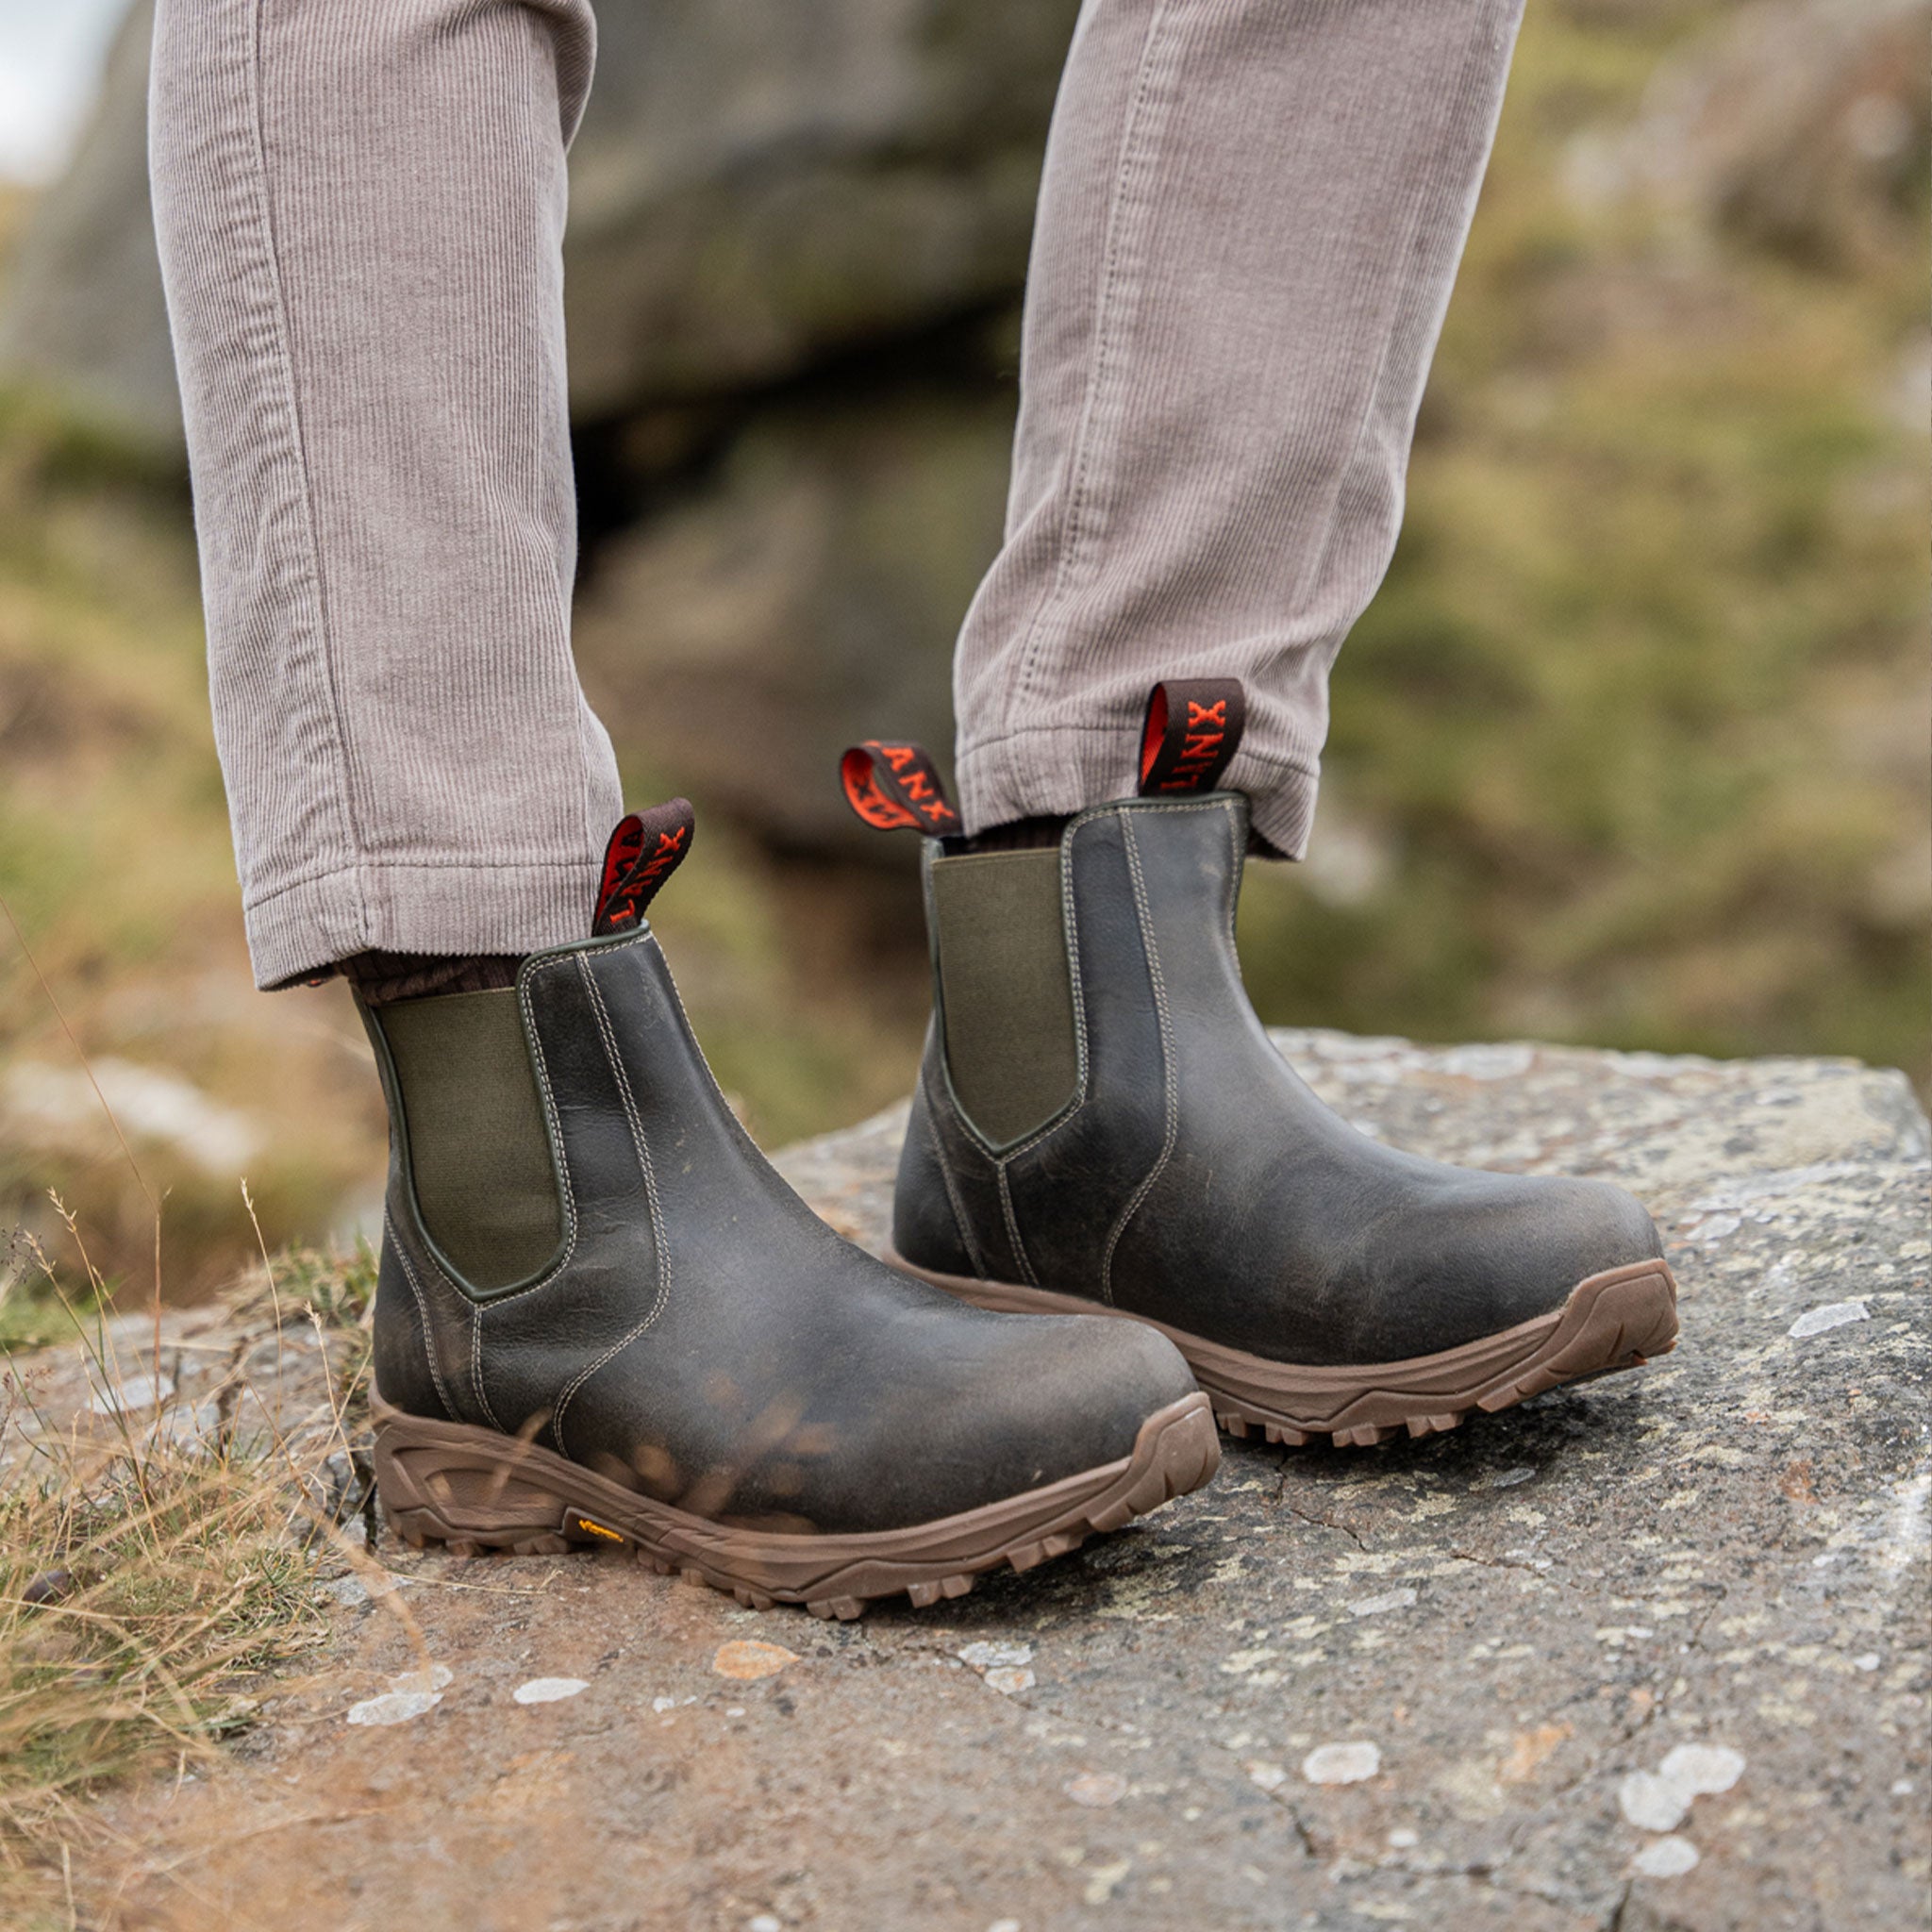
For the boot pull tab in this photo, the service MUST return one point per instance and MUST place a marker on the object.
(891, 785)
(1193, 727)
(644, 850)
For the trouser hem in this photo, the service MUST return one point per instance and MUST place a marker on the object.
(305, 928)
(1058, 770)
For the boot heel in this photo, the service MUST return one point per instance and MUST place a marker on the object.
(471, 1490)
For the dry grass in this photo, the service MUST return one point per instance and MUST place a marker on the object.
(159, 1567)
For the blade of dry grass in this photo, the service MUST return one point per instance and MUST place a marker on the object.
(155, 1578)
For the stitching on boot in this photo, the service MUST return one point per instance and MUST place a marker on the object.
(1169, 1095)
(476, 1366)
(543, 1087)
(1013, 1227)
(962, 1224)
(1234, 872)
(658, 1240)
(422, 1314)
(1071, 936)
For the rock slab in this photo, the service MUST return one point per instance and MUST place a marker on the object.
(1648, 1653)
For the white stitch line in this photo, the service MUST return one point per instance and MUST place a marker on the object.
(543, 1071)
(395, 1241)
(476, 1366)
(1234, 875)
(1013, 1228)
(1167, 1073)
(1070, 938)
(1069, 927)
(658, 1237)
(963, 1127)
(570, 1200)
(961, 1220)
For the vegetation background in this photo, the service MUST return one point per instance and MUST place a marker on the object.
(1631, 749)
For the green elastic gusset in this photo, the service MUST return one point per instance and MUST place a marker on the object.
(1005, 992)
(474, 1124)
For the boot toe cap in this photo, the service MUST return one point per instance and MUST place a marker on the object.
(1053, 1396)
(1518, 1251)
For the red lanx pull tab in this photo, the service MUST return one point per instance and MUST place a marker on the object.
(646, 849)
(1194, 726)
(894, 785)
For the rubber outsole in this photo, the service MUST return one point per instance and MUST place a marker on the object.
(1617, 1320)
(474, 1491)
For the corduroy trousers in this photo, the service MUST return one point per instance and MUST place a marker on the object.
(1249, 222)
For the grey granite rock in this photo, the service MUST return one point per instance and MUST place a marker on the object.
(1648, 1653)
(1727, 1548)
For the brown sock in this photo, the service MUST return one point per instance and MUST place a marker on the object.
(382, 978)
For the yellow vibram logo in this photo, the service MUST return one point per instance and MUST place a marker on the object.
(590, 1528)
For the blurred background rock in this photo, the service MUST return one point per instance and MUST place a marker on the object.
(1632, 748)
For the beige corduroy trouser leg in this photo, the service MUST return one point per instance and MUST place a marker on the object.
(1249, 222)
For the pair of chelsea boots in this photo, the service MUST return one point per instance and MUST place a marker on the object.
(602, 1318)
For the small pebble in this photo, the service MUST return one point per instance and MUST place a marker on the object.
(1342, 1764)
(1652, 1803)
(1096, 1788)
(764, 1922)
(548, 1689)
(1008, 1679)
(1271, 1777)
(1703, 1770)
(1375, 1606)
(994, 1657)
(1403, 1839)
(1666, 1857)
(1833, 1315)
(393, 1707)
(745, 1658)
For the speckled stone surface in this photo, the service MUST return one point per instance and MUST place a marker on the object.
(1728, 1547)
(1446, 1683)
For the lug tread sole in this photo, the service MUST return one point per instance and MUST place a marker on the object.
(1616, 1320)
(474, 1491)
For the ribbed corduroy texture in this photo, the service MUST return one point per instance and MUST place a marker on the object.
(1250, 220)
(361, 212)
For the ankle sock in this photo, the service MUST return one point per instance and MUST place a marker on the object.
(1019, 835)
(383, 978)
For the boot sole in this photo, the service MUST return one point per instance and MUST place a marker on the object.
(474, 1490)
(1617, 1320)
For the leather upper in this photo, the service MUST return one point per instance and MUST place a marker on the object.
(1195, 1180)
(702, 1336)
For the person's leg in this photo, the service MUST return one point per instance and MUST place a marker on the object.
(361, 213)
(600, 1315)
(1251, 216)
(1249, 222)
